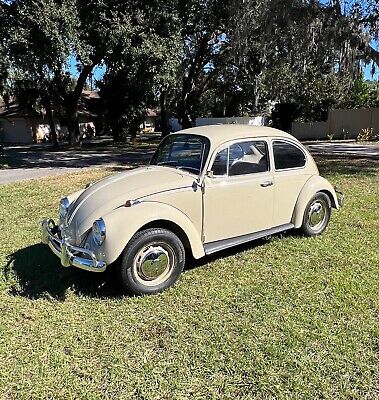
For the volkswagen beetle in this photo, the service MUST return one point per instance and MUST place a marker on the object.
(205, 189)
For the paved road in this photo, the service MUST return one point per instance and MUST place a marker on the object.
(20, 174)
(350, 148)
(33, 164)
(30, 164)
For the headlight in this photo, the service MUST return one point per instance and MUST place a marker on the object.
(98, 231)
(63, 206)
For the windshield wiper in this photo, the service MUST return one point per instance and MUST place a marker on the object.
(189, 169)
(167, 163)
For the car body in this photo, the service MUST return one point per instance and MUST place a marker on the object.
(206, 189)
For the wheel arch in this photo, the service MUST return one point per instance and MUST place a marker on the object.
(331, 198)
(171, 226)
(315, 184)
(123, 223)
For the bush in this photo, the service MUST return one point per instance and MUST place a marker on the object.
(367, 134)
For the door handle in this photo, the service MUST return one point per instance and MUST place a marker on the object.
(267, 183)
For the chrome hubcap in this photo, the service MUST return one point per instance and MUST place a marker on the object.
(316, 215)
(153, 264)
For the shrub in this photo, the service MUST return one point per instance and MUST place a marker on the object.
(367, 134)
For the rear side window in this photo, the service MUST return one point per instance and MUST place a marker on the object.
(286, 155)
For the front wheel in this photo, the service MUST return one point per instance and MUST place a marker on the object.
(152, 261)
(316, 215)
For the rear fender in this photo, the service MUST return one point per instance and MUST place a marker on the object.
(313, 185)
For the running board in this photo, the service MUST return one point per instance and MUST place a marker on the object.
(218, 245)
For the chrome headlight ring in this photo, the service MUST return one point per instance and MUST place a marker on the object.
(98, 231)
(63, 207)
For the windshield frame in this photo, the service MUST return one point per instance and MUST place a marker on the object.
(205, 150)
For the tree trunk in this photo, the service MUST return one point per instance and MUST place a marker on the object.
(49, 113)
(73, 126)
(164, 115)
(71, 105)
(183, 114)
(192, 85)
(134, 129)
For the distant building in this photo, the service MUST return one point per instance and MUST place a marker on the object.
(20, 127)
(150, 123)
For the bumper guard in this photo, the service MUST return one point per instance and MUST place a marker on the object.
(340, 196)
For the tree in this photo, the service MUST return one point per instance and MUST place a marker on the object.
(205, 30)
(4, 56)
(146, 74)
(44, 34)
(305, 53)
(125, 98)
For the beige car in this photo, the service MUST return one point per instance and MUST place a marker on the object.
(205, 189)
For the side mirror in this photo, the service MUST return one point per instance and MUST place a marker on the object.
(209, 174)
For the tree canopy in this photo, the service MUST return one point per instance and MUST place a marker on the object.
(189, 58)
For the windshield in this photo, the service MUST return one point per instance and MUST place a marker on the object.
(188, 152)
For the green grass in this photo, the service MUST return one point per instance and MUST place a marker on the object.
(289, 318)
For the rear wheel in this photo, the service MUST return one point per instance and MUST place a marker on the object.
(316, 215)
(152, 261)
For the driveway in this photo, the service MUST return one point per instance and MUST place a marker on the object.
(29, 163)
(345, 148)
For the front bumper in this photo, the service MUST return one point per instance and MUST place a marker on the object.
(69, 254)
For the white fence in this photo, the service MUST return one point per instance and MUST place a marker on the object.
(256, 121)
(309, 130)
(341, 124)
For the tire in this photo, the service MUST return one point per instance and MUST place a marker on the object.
(152, 261)
(316, 215)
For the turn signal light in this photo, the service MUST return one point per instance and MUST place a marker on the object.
(130, 203)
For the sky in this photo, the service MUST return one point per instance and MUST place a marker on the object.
(367, 72)
(97, 73)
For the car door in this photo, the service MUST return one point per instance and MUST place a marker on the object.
(289, 178)
(238, 191)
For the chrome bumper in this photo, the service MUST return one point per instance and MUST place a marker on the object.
(69, 254)
(340, 197)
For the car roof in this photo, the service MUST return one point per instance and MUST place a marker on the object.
(218, 134)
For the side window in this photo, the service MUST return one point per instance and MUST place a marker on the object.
(287, 155)
(248, 158)
(220, 163)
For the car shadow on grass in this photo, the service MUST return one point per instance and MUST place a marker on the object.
(34, 272)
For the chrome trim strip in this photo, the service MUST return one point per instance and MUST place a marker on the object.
(218, 245)
(69, 254)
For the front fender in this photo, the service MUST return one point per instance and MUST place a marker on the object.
(123, 222)
(313, 185)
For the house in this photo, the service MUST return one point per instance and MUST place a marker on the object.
(150, 123)
(20, 127)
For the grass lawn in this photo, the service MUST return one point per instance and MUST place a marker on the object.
(290, 318)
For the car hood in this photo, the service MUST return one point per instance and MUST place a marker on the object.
(113, 191)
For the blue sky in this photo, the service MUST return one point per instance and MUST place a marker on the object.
(367, 72)
(98, 72)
